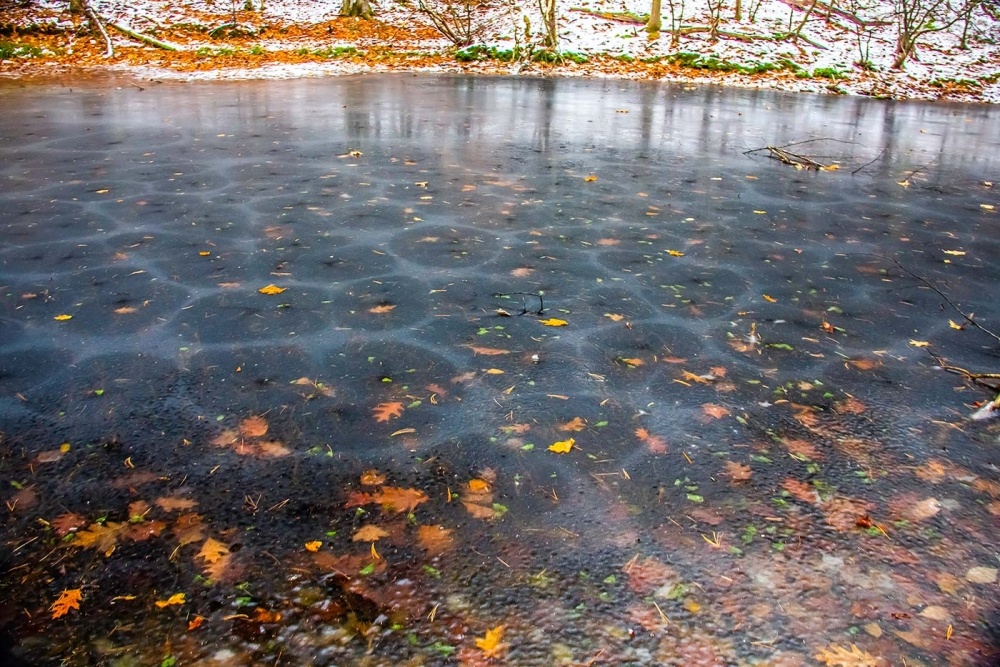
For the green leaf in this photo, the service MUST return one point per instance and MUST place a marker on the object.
(695, 498)
(367, 569)
(432, 571)
(442, 648)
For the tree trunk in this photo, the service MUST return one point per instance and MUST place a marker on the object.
(738, 11)
(548, 8)
(77, 6)
(360, 8)
(654, 23)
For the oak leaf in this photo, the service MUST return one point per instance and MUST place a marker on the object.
(213, 551)
(383, 412)
(838, 656)
(102, 537)
(67, 523)
(369, 533)
(575, 424)
(68, 599)
(714, 411)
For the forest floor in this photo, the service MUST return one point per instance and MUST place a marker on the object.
(597, 38)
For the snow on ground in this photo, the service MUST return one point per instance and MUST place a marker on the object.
(615, 48)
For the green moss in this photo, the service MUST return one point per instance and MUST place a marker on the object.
(828, 73)
(9, 50)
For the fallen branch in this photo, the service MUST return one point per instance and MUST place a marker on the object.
(789, 158)
(804, 5)
(621, 17)
(95, 18)
(152, 41)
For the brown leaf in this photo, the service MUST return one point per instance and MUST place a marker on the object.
(573, 425)
(213, 550)
(654, 443)
(138, 532)
(383, 412)
(395, 499)
(253, 427)
(801, 491)
(372, 478)
(838, 656)
(189, 529)
(464, 377)
(516, 428)
(737, 472)
(478, 511)
(850, 405)
(714, 411)
(102, 537)
(802, 448)
(369, 533)
(435, 539)
(522, 272)
(173, 503)
(67, 523)
(486, 351)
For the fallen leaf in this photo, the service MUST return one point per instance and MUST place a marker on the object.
(838, 656)
(562, 446)
(494, 371)
(675, 253)
(67, 600)
(477, 485)
(487, 351)
(253, 427)
(573, 425)
(102, 537)
(383, 308)
(173, 503)
(919, 343)
(213, 551)
(590, 179)
(369, 533)
(67, 523)
(62, 318)
(175, 599)
(271, 289)
(714, 411)
(435, 539)
(770, 298)
(634, 362)
(614, 317)
(395, 499)
(195, 623)
(981, 575)
(956, 253)
(554, 322)
(125, 310)
(383, 412)
(313, 546)
(490, 642)
(654, 443)
(955, 325)
(372, 478)
(737, 472)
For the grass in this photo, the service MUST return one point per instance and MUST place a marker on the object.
(11, 50)
(713, 64)
(479, 52)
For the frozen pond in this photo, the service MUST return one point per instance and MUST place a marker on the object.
(393, 370)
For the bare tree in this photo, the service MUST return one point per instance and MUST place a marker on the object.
(916, 18)
(676, 21)
(548, 9)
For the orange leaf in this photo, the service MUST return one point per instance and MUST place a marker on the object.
(575, 424)
(369, 533)
(372, 478)
(490, 642)
(688, 376)
(801, 491)
(675, 253)
(478, 485)
(175, 599)
(271, 290)
(382, 308)
(253, 427)
(590, 179)
(385, 411)
(770, 299)
(68, 599)
(486, 351)
(195, 623)
(102, 537)
(395, 499)
(714, 411)
(313, 546)
(654, 443)
(737, 472)
(632, 362)
(435, 539)
(837, 656)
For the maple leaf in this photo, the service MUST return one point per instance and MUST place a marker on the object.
(383, 412)
(714, 411)
(554, 322)
(486, 351)
(253, 427)
(68, 599)
(562, 446)
(838, 656)
(575, 424)
(175, 599)
(394, 499)
(369, 533)
(213, 551)
(382, 308)
(189, 529)
(271, 290)
(490, 642)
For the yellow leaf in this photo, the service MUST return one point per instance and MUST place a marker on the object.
(614, 317)
(830, 167)
(770, 299)
(62, 318)
(987, 207)
(271, 289)
(213, 550)
(590, 179)
(65, 447)
(313, 546)
(494, 371)
(904, 184)
(954, 325)
(355, 153)
(554, 322)
(838, 656)
(205, 253)
(490, 642)
(176, 598)
(562, 446)
(760, 212)
(919, 343)
(957, 253)
(68, 599)
(675, 253)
